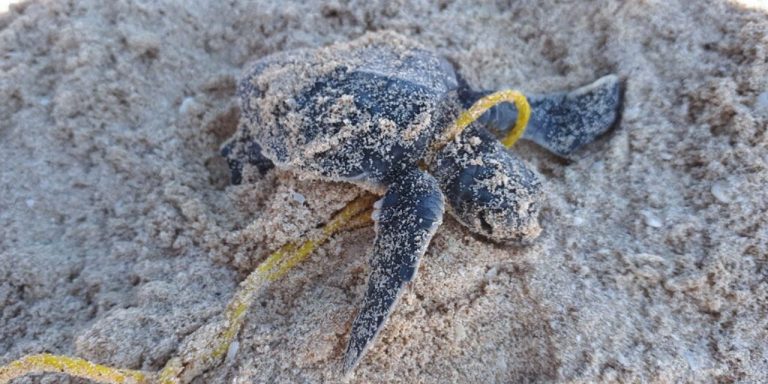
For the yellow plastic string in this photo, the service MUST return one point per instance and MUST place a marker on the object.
(355, 214)
(48, 363)
(523, 115)
(291, 254)
(485, 103)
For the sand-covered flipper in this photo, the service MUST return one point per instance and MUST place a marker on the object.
(242, 150)
(561, 122)
(406, 219)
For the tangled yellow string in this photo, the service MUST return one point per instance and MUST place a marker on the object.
(190, 364)
(72, 366)
(480, 106)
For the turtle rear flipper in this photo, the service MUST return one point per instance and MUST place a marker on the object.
(240, 151)
(406, 219)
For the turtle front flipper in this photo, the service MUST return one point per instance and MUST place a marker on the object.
(563, 123)
(560, 122)
(406, 219)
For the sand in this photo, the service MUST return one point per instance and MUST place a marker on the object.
(119, 234)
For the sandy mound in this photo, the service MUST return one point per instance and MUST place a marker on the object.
(119, 235)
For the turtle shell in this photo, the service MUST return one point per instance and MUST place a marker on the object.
(358, 111)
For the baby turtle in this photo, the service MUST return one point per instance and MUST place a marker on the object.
(373, 112)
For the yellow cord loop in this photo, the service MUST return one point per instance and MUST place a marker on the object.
(523, 115)
(48, 363)
(479, 107)
(185, 368)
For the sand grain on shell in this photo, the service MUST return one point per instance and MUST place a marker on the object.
(119, 236)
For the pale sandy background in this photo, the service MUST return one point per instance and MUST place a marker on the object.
(119, 235)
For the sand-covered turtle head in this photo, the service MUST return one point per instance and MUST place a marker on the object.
(488, 189)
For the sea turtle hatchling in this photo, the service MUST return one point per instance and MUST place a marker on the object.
(373, 112)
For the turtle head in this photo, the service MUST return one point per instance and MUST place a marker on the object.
(489, 190)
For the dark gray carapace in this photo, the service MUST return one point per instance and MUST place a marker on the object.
(368, 111)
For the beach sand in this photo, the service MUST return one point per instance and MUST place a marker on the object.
(120, 234)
